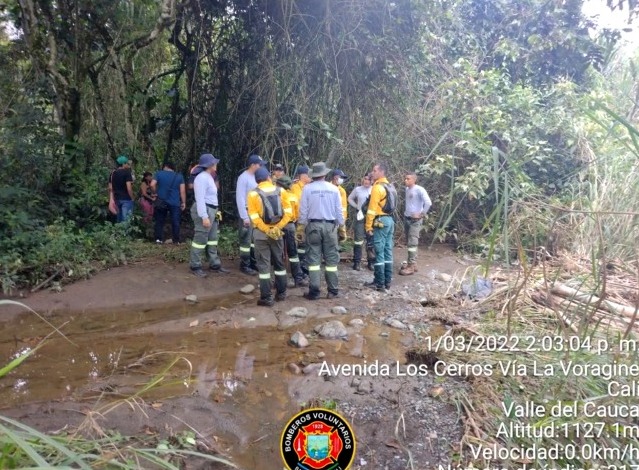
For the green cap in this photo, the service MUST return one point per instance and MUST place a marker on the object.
(284, 181)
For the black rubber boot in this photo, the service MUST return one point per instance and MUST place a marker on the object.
(357, 257)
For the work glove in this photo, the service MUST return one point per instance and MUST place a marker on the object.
(300, 234)
(274, 233)
(341, 233)
(218, 216)
(360, 215)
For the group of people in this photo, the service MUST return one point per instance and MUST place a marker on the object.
(303, 220)
(285, 225)
(161, 195)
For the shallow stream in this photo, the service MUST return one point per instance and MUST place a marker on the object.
(117, 353)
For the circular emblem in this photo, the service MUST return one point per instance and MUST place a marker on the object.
(318, 439)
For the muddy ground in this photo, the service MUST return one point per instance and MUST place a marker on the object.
(230, 374)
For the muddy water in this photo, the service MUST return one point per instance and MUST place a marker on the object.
(116, 353)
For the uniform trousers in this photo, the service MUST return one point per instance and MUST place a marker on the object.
(204, 239)
(321, 243)
(412, 228)
(383, 241)
(269, 251)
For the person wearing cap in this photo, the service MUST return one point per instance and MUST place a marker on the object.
(320, 217)
(381, 226)
(290, 244)
(269, 213)
(277, 172)
(417, 206)
(170, 191)
(300, 180)
(338, 177)
(356, 200)
(121, 186)
(204, 214)
(245, 183)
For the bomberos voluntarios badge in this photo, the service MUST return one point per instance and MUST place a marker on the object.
(318, 439)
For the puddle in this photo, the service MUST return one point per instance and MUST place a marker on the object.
(116, 353)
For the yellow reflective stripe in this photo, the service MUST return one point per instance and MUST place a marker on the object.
(358, 243)
(371, 212)
(314, 268)
(288, 210)
(301, 250)
(245, 249)
(253, 216)
(331, 269)
(378, 264)
(197, 245)
(212, 242)
(388, 262)
(294, 260)
(412, 248)
(280, 273)
(252, 245)
(265, 276)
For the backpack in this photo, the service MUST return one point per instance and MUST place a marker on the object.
(390, 200)
(272, 204)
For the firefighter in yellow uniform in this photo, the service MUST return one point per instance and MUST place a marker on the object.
(381, 226)
(290, 244)
(269, 213)
(301, 179)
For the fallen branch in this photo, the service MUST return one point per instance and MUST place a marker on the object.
(46, 281)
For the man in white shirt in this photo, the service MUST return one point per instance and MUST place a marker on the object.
(417, 206)
(320, 217)
(204, 213)
(356, 200)
(245, 183)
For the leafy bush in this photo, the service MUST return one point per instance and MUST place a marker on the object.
(60, 249)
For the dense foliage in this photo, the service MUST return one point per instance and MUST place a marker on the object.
(498, 103)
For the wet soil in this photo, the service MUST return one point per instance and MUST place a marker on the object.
(229, 372)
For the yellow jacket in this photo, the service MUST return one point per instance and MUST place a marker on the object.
(378, 194)
(294, 202)
(344, 198)
(256, 211)
(296, 188)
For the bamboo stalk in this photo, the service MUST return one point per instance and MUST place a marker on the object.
(612, 307)
(569, 307)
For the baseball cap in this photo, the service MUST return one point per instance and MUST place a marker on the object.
(261, 174)
(253, 159)
(302, 170)
(339, 173)
(278, 167)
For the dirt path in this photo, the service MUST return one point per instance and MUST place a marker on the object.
(237, 380)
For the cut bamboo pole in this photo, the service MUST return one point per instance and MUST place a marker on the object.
(591, 299)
